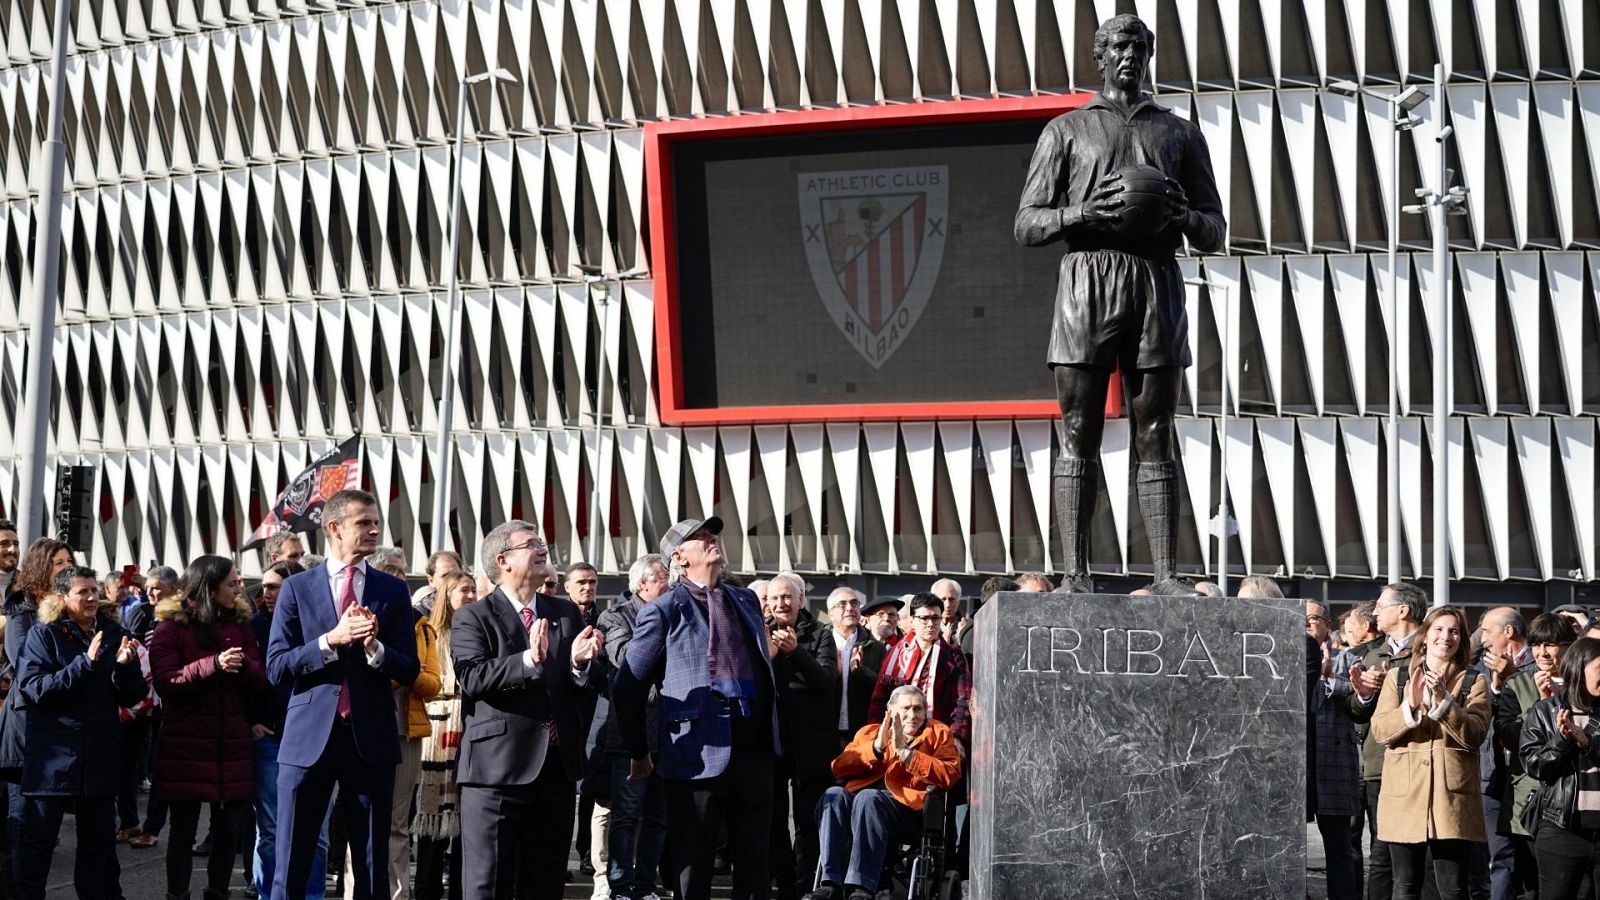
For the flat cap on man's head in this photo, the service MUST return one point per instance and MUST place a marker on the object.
(880, 603)
(686, 528)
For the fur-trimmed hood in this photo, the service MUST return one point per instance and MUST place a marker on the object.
(53, 608)
(172, 609)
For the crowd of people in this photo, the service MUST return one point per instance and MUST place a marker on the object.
(462, 740)
(1469, 754)
(457, 742)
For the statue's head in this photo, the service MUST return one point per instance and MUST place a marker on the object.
(1122, 48)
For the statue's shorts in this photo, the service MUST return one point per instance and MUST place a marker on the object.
(1117, 308)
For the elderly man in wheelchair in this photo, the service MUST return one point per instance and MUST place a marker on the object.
(887, 771)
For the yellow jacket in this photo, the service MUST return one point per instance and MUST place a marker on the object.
(428, 682)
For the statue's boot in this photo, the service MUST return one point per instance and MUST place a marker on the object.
(1158, 504)
(1075, 482)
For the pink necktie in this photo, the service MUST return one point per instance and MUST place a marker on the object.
(347, 599)
(527, 625)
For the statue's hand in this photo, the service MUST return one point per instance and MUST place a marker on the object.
(1105, 203)
(1177, 201)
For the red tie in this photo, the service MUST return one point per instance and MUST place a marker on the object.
(527, 625)
(347, 598)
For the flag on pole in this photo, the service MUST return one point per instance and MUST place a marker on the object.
(299, 507)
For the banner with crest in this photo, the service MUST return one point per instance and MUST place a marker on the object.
(299, 507)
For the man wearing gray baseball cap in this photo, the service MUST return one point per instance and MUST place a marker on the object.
(705, 646)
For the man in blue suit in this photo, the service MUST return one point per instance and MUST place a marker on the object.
(521, 661)
(341, 632)
(705, 645)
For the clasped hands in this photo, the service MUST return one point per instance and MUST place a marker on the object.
(585, 647)
(358, 625)
(1571, 731)
(125, 651)
(891, 734)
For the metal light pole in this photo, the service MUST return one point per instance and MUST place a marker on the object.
(1447, 201)
(35, 425)
(1400, 119)
(441, 454)
(600, 291)
(1220, 525)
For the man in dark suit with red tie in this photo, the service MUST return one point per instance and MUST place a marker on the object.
(341, 632)
(521, 661)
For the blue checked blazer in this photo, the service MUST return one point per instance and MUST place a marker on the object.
(670, 648)
(1338, 759)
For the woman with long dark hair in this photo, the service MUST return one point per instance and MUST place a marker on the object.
(1561, 748)
(208, 671)
(1431, 718)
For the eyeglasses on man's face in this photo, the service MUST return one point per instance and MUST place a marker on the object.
(925, 620)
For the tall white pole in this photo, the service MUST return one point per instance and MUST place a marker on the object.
(1441, 354)
(443, 463)
(595, 529)
(1222, 504)
(1392, 459)
(34, 429)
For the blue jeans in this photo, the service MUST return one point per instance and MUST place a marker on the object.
(638, 830)
(857, 831)
(266, 857)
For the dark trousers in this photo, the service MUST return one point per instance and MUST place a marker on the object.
(1568, 861)
(365, 793)
(794, 867)
(638, 838)
(225, 818)
(435, 856)
(1447, 861)
(858, 831)
(515, 840)
(1344, 869)
(1358, 828)
(135, 761)
(96, 874)
(741, 798)
(1380, 871)
(155, 805)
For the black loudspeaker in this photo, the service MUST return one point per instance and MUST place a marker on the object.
(75, 505)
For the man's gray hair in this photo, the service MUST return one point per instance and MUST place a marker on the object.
(338, 506)
(312, 560)
(167, 575)
(842, 591)
(1509, 616)
(797, 585)
(643, 569)
(904, 690)
(1259, 587)
(945, 582)
(387, 558)
(274, 544)
(1411, 597)
(497, 541)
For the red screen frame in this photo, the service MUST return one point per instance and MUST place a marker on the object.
(659, 140)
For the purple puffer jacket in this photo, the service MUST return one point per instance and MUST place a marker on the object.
(206, 752)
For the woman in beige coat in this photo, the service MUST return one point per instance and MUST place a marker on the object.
(1432, 717)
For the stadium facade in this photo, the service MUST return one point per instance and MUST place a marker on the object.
(255, 230)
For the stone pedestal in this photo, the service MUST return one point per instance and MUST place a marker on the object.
(1150, 747)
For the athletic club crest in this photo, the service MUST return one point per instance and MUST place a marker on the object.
(874, 239)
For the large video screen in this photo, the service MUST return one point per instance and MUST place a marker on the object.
(870, 266)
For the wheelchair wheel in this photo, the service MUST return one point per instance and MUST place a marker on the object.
(950, 887)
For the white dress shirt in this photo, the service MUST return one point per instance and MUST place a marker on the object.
(337, 572)
(843, 647)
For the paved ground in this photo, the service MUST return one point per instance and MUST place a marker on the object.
(144, 878)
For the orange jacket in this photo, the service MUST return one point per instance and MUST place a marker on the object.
(934, 763)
